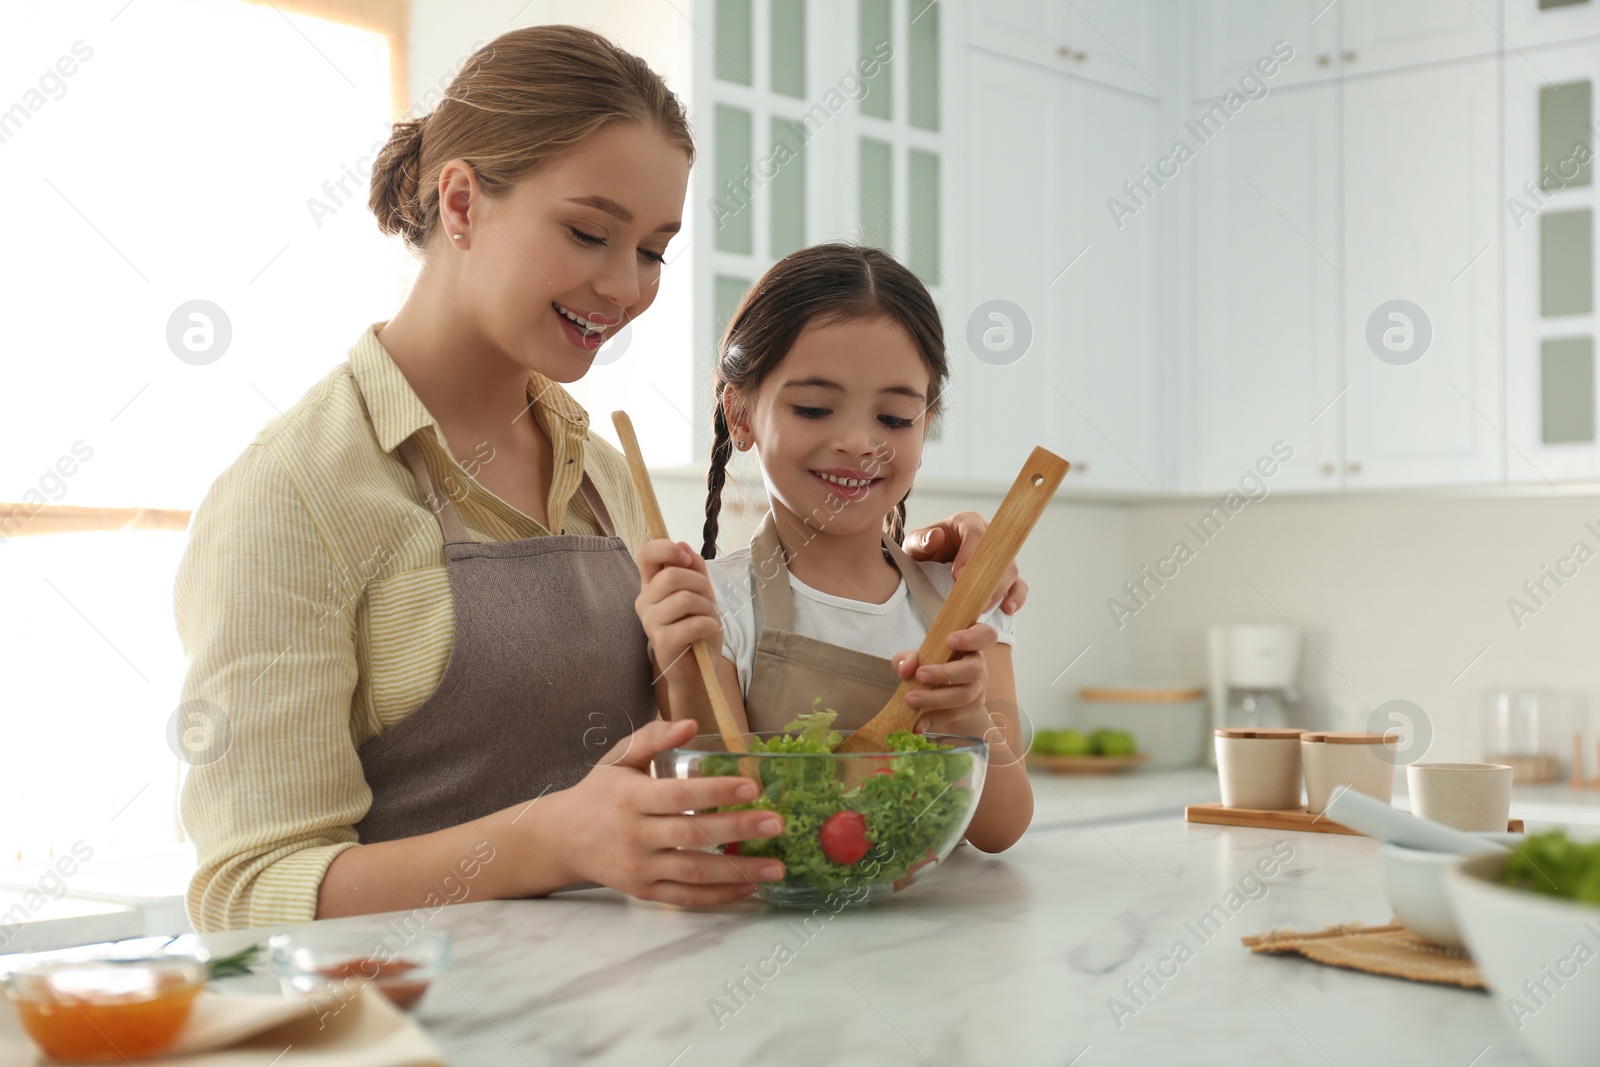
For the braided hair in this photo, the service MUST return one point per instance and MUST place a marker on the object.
(835, 282)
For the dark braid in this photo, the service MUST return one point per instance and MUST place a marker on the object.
(894, 523)
(716, 478)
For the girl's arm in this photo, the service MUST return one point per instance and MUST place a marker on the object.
(975, 694)
(682, 694)
(677, 605)
(1006, 807)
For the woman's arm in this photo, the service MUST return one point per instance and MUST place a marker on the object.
(953, 541)
(618, 827)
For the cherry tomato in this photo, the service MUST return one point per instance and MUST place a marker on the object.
(844, 837)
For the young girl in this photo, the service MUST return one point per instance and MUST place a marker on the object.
(831, 369)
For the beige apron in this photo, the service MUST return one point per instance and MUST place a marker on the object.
(791, 671)
(548, 669)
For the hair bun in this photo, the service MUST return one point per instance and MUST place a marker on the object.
(395, 175)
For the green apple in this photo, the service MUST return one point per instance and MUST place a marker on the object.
(1114, 743)
(1070, 743)
(1044, 742)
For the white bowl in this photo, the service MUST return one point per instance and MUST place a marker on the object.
(1414, 880)
(1540, 956)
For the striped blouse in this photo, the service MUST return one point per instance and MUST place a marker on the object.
(314, 607)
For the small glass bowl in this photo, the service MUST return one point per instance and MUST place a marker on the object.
(336, 962)
(106, 1010)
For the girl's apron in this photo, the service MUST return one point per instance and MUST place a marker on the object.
(791, 671)
(547, 671)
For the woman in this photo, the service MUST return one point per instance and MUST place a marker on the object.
(412, 597)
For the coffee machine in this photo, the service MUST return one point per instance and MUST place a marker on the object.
(1253, 667)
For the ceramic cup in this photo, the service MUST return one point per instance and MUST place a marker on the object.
(1354, 759)
(1259, 767)
(1468, 796)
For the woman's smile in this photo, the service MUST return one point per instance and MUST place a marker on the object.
(586, 330)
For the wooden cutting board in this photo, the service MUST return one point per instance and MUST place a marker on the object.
(1292, 819)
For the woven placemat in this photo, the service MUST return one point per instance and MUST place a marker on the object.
(1390, 950)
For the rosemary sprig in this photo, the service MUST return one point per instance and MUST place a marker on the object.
(232, 966)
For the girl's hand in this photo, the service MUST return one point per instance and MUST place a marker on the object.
(624, 829)
(953, 541)
(955, 690)
(676, 604)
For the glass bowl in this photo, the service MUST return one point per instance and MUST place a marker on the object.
(334, 963)
(106, 1010)
(858, 826)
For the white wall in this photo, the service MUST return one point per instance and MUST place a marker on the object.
(1397, 594)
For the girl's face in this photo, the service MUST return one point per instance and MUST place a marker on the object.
(848, 404)
(583, 236)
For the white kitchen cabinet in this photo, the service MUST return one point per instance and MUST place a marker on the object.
(1232, 36)
(1379, 35)
(1107, 300)
(1531, 23)
(1043, 238)
(1266, 300)
(1421, 212)
(1107, 41)
(1550, 205)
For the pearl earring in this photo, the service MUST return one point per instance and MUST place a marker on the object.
(459, 236)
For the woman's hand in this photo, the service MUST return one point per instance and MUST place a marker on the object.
(624, 829)
(953, 541)
(953, 698)
(676, 605)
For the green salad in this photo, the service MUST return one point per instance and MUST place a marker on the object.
(1553, 864)
(875, 832)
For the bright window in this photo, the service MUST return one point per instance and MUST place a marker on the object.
(156, 153)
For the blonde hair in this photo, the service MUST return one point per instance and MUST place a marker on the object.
(518, 103)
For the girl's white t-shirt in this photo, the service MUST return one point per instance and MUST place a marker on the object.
(876, 629)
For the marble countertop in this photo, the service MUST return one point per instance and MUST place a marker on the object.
(1036, 956)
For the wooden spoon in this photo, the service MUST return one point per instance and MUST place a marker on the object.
(731, 737)
(1018, 513)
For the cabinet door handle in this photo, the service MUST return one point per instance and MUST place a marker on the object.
(1324, 60)
(1349, 56)
(1328, 469)
(1068, 52)
(1352, 468)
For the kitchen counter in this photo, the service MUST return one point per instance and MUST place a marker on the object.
(1030, 957)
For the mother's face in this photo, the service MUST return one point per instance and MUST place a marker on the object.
(582, 237)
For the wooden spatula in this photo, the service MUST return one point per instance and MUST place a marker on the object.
(731, 737)
(1018, 513)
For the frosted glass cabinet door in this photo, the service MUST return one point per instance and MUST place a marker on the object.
(1551, 197)
(1422, 305)
(1267, 296)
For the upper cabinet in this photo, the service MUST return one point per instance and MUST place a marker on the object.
(1347, 265)
(1378, 35)
(1422, 277)
(1266, 306)
(1232, 36)
(1053, 336)
(1107, 41)
(1334, 38)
